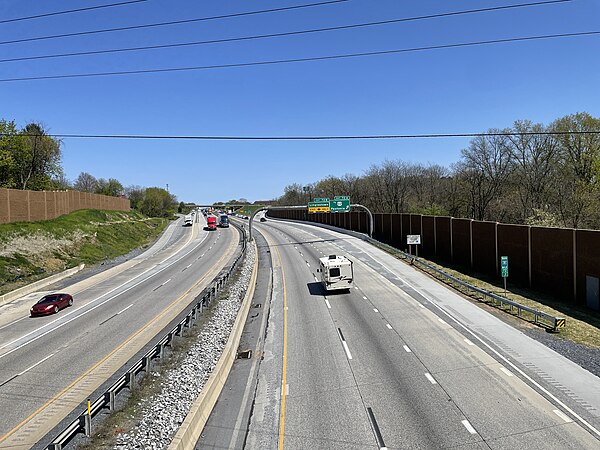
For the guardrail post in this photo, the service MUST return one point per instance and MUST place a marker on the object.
(147, 361)
(85, 423)
(55, 447)
(131, 380)
(161, 351)
(109, 397)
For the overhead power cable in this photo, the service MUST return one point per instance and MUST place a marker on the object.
(299, 60)
(176, 22)
(285, 34)
(71, 11)
(313, 138)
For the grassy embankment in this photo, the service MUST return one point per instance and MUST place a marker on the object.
(30, 251)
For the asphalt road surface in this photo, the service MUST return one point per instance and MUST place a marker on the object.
(49, 365)
(401, 362)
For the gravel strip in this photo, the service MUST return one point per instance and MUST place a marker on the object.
(163, 413)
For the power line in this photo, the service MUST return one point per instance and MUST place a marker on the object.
(175, 22)
(285, 34)
(298, 60)
(70, 11)
(313, 138)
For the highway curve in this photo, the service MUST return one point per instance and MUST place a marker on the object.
(49, 365)
(399, 362)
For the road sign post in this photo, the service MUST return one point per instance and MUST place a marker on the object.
(504, 269)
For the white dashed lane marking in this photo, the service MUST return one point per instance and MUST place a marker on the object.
(468, 426)
(430, 378)
(408, 350)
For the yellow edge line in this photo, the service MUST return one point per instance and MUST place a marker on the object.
(53, 399)
(284, 377)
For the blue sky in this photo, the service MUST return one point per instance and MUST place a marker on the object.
(439, 91)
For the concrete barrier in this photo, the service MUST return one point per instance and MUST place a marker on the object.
(22, 291)
(191, 428)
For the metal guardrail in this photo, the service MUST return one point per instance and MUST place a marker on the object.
(82, 424)
(553, 323)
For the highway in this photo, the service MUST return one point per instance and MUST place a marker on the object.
(400, 362)
(50, 365)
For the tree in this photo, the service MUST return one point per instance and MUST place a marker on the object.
(486, 165)
(38, 160)
(158, 202)
(85, 182)
(135, 194)
(110, 187)
(579, 155)
(536, 160)
(9, 143)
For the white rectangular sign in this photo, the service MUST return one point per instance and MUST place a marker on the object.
(413, 239)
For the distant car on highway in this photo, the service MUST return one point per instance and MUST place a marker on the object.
(51, 304)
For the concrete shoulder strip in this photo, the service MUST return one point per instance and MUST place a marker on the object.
(192, 426)
(10, 296)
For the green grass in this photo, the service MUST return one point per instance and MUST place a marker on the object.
(85, 236)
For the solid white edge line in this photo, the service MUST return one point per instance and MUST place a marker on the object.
(347, 350)
(430, 378)
(506, 371)
(468, 426)
(389, 326)
(538, 386)
(562, 415)
(327, 303)
(408, 350)
(36, 364)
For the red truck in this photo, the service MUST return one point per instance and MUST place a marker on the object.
(211, 223)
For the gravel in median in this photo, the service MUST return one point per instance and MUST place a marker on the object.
(164, 413)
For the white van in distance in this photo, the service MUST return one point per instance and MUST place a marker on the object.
(337, 272)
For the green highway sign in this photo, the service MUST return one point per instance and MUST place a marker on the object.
(340, 204)
(319, 200)
(504, 266)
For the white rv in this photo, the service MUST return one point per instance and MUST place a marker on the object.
(337, 272)
(188, 220)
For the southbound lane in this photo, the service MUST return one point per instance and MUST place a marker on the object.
(374, 367)
(48, 365)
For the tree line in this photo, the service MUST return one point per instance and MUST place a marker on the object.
(30, 159)
(530, 173)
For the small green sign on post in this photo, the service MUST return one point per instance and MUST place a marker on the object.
(504, 270)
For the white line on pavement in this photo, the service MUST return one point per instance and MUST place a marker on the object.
(364, 298)
(389, 326)
(506, 371)
(123, 310)
(327, 303)
(441, 321)
(408, 350)
(36, 364)
(430, 378)
(376, 310)
(468, 426)
(347, 349)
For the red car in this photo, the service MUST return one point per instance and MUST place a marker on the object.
(51, 304)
